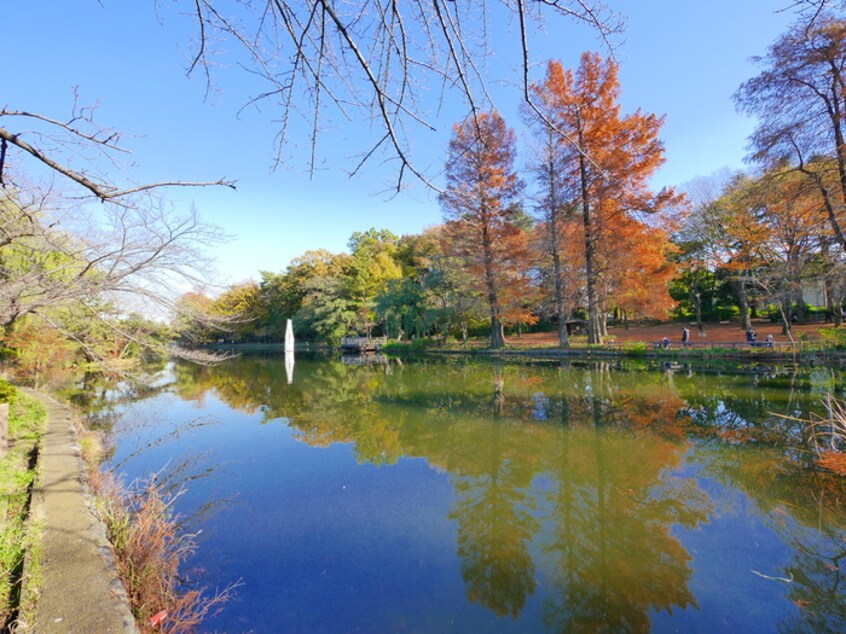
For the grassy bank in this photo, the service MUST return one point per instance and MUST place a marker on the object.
(626, 349)
(19, 536)
(819, 351)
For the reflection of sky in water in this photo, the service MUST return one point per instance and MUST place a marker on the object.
(467, 513)
(725, 551)
(541, 402)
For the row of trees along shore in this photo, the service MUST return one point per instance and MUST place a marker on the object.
(588, 237)
(573, 231)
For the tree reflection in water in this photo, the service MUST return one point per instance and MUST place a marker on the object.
(570, 477)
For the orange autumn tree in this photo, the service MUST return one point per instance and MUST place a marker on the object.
(637, 272)
(554, 209)
(519, 296)
(608, 160)
(778, 226)
(481, 213)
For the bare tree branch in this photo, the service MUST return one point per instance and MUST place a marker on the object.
(379, 58)
(99, 139)
(137, 253)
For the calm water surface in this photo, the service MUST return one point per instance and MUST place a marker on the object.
(458, 496)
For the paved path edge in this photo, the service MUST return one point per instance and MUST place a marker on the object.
(80, 590)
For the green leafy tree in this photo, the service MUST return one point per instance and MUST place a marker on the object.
(372, 267)
(283, 293)
(327, 310)
(403, 307)
(242, 306)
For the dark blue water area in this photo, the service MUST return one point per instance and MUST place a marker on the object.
(726, 550)
(320, 542)
(317, 541)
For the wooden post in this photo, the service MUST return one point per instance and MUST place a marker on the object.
(4, 428)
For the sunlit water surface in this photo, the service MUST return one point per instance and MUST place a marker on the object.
(448, 495)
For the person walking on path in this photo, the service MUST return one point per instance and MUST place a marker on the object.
(685, 339)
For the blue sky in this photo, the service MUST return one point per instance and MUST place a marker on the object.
(682, 58)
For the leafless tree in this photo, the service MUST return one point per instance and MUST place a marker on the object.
(800, 99)
(392, 63)
(79, 139)
(811, 9)
(85, 245)
(72, 268)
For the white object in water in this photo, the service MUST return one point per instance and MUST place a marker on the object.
(289, 365)
(289, 336)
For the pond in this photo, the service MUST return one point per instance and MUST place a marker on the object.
(456, 495)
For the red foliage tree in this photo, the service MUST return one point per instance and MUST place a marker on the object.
(608, 161)
(480, 208)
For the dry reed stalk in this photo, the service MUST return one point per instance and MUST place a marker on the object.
(828, 437)
(149, 549)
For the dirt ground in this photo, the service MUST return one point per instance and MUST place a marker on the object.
(713, 332)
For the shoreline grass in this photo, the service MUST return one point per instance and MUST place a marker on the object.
(19, 535)
(149, 546)
(148, 543)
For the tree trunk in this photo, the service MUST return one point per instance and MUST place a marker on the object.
(745, 320)
(697, 305)
(835, 301)
(785, 320)
(594, 332)
(497, 336)
(563, 336)
(831, 312)
(554, 218)
(836, 116)
(801, 308)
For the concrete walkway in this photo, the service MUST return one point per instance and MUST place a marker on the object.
(80, 591)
